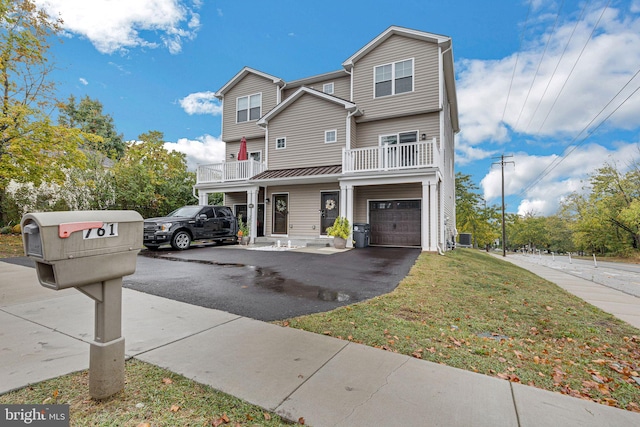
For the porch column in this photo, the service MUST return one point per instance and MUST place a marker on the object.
(203, 198)
(424, 217)
(252, 212)
(433, 217)
(346, 207)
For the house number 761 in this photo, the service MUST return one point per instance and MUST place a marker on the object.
(107, 230)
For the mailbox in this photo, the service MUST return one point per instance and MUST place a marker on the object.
(77, 248)
(91, 251)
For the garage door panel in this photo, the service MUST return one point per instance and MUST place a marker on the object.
(395, 222)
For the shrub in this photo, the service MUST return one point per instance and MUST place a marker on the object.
(340, 228)
(16, 229)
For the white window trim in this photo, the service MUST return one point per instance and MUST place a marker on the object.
(326, 133)
(331, 85)
(393, 77)
(256, 151)
(397, 135)
(284, 138)
(248, 107)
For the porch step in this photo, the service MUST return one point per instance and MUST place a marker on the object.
(295, 241)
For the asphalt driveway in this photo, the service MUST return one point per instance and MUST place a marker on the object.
(267, 285)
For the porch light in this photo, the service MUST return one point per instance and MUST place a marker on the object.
(267, 200)
(423, 137)
(232, 155)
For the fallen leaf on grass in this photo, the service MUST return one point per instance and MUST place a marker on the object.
(301, 420)
(144, 425)
(266, 416)
(167, 381)
(174, 408)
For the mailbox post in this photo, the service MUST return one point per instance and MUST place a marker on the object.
(90, 251)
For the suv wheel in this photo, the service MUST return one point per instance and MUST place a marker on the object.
(181, 241)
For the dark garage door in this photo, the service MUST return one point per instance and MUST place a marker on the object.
(395, 223)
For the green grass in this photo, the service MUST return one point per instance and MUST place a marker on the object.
(152, 397)
(455, 309)
(11, 245)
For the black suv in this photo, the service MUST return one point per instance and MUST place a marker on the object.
(180, 227)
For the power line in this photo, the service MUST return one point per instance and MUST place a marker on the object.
(557, 65)
(574, 66)
(515, 66)
(555, 163)
(544, 52)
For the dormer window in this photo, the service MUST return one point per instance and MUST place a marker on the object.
(248, 108)
(394, 78)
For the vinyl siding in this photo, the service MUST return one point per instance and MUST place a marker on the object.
(256, 144)
(304, 208)
(369, 132)
(249, 85)
(303, 124)
(425, 96)
(341, 87)
(362, 195)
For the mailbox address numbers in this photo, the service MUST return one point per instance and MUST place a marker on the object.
(107, 230)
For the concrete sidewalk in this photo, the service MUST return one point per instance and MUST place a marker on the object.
(327, 381)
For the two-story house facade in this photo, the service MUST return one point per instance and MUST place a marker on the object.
(373, 142)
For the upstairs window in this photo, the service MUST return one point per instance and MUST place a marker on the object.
(330, 136)
(395, 78)
(328, 88)
(281, 143)
(248, 108)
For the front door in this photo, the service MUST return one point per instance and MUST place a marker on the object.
(280, 213)
(329, 209)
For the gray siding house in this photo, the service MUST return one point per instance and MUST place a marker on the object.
(373, 142)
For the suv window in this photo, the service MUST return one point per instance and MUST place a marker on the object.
(222, 211)
(208, 212)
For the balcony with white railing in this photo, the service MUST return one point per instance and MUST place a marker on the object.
(229, 171)
(390, 157)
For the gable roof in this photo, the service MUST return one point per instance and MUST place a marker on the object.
(419, 35)
(447, 60)
(246, 70)
(349, 106)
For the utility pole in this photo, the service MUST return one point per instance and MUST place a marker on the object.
(504, 238)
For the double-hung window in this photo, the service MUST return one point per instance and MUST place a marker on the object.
(394, 78)
(248, 108)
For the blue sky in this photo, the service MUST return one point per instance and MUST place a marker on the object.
(535, 79)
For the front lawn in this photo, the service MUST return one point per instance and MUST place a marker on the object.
(473, 311)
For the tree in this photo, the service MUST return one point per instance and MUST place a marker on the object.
(32, 149)
(151, 180)
(88, 116)
(472, 214)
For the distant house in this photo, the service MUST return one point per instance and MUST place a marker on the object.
(373, 142)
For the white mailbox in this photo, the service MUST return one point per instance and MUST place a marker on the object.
(78, 248)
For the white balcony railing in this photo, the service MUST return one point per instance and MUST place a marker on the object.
(229, 171)
(389, 157)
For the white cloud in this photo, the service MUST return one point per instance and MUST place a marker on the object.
(116, 25)
(572, 174)
(83, 81)
(609, 61)
(201, 103)
(205, 149)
